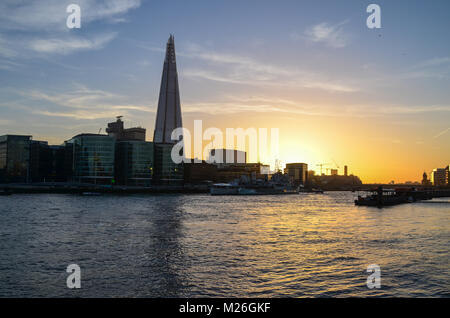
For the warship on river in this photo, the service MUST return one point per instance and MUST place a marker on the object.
(279, 184)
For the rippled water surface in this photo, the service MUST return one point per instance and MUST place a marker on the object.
(198, 245)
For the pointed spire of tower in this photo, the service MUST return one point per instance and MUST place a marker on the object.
(168, 116)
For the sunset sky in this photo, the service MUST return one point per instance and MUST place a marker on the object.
(377, 100)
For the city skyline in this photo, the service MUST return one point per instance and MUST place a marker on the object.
(374, 100)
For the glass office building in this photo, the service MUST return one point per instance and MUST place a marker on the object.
(14, 158)
(47, 162)
(166, 171)
(40, 160)
(297, 172)
(93, 158)
(134, 163)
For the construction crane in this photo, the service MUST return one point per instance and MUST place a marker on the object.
(321, 165)
(337, 166)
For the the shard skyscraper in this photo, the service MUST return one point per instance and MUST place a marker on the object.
(168, 116)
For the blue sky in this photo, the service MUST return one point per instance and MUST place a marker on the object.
(253, 61)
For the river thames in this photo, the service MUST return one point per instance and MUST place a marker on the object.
(307, 245)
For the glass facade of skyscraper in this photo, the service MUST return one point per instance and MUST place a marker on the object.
(134, 163)
(166, 171)
(93, 158)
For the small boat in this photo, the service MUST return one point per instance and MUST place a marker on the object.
(91, 194)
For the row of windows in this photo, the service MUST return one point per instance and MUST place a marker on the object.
(93, 160)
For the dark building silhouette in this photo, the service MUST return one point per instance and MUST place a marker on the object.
(14, 158)
(439, 177)
(47, 163)
(40, 160)
(197, 173)
(298, 173)
(227, 156)
(117, 130)
(327, 182)
(204, 172)
(25, 160)
(425, 180)
(248, 172)
(447, 175)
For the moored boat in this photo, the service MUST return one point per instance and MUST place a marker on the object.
(385, 197)
(251, 189)
(224, 189)
(91, 194)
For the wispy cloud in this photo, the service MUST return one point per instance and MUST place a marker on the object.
(441, 133)
(79, 114)
(264, 104)
(5, 49)
(236, 69)
(8, 65)
(83, 103)
(332, 35)
(78, 97)
(70, 44)
(434, 62)
(330, 86)
(50, 15)
(256, 104)
(29, 26)
(395, 109)
(5, 122)
(90, 114)
(434, 68)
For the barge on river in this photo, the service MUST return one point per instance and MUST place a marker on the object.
(385, 197)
